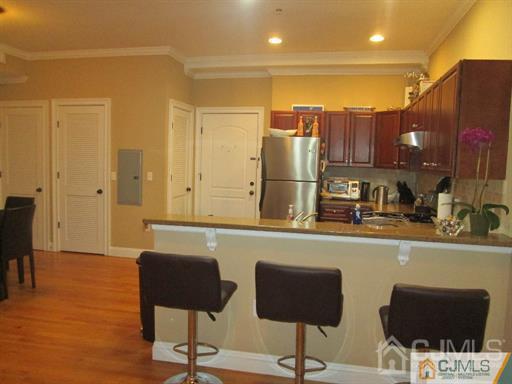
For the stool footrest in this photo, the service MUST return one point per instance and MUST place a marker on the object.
(322, 366)
(178, 348)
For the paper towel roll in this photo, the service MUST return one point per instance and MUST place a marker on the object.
(444, 205)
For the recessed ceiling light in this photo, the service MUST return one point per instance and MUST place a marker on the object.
(377, 38)
(275, 40)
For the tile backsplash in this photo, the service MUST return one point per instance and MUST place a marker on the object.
(376, 177)
(463, 190)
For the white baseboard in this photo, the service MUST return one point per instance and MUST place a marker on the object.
(266, 365)
(131, 253)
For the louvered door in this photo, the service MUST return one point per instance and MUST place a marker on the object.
(180, 158)
(81, 182)
(22, 130)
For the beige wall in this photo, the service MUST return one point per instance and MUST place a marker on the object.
(334, 92)
(255, 92)
(140, 88)
(484, 33)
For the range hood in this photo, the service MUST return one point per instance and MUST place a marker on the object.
(412, 140)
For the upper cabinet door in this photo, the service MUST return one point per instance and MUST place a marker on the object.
(447, 130)
(387, 129)
(362, 127)
(338, 138)
(283, 120)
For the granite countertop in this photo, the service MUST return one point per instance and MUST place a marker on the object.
(402, 230)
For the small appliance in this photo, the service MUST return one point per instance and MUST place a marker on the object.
(382, 194)
(341, 188)
(365, 191)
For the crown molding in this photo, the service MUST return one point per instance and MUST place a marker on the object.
(94, 53)
(450, 24)
(231, 75)
(11, 51)
(343, 70)
(308, 59)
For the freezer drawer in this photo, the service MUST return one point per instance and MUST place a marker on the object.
(278, 195)
(291, 158)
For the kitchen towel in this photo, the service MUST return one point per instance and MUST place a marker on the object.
(444, 205)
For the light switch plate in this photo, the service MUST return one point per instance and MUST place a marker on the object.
(113, 176)
(149, 176)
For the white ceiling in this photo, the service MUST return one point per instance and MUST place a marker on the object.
(236, 30)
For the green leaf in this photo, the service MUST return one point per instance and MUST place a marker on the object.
(486, 207)
(494, 220)
(463, 213)
(467, 205)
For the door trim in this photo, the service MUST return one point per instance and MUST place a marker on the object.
(200, 111)
(43, 104)
(55, 104)
(189, 108)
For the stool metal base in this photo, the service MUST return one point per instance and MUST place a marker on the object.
(321, 364)
(201, 378)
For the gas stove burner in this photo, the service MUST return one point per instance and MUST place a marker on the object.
(419, 217)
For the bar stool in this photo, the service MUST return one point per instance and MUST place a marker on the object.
(301, 295)
(436, 316)
(191, 283)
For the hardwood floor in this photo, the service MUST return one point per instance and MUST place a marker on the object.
(81, 325)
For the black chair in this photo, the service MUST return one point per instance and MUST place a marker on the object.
(442, 319)
(18, 201)
(301, 295)
(16, 242)
(15, 202)
(191, 283)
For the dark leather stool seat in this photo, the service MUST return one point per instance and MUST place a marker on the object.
(446, 319)
(191, 283)
(301, 295)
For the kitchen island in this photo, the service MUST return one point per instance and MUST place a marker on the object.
(372, 260)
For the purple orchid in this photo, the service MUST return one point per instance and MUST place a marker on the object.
(476, 137)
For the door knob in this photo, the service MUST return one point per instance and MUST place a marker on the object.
(251, 193)
(251, 183)
(189, 189)
(39, 189)
(99, 191)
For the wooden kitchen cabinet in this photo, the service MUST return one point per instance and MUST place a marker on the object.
(283, 120)
(387, 129)
(474, 93)
(338, 138)
(350, 138)
(290, 119)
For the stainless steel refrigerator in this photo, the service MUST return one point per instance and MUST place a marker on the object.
(290, 175)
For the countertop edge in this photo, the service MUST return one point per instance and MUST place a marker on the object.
(462, 240)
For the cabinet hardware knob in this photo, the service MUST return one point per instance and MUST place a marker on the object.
(39, 189)
(99, 191)
(189, 189)
(251, 193)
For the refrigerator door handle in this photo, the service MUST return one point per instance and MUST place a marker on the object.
(263, 165)
(263, 187)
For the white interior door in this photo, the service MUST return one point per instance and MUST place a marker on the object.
(81, 178)
(23, 134)
(229, 146)
(180, 160)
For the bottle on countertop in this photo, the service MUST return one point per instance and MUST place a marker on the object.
(290, 215)
(357, 218)
(300, 127)
(315, 132)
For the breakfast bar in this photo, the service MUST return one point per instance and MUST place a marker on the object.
(372, 259)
